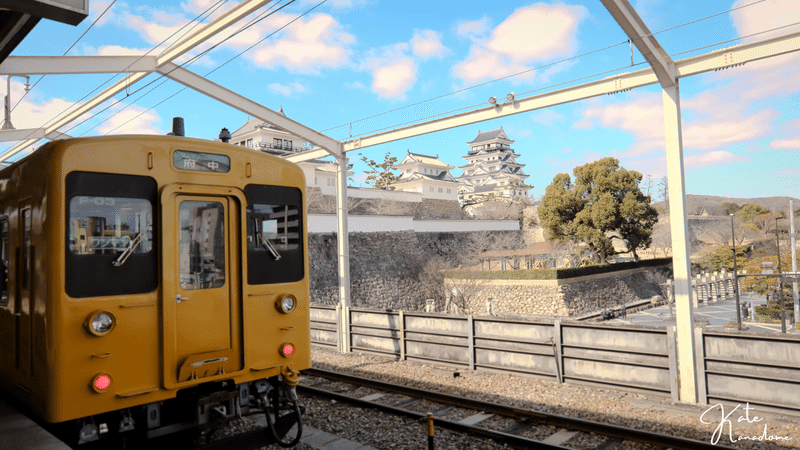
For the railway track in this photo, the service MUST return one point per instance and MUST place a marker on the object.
(514, 427)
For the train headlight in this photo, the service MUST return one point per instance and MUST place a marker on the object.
(101, 382)
(100, 323)
(286, 303)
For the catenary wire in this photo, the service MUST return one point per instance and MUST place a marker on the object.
(163, 78)
(218, 67)
(574, 80)
(210, 10)
(538, 68)
(67, 51)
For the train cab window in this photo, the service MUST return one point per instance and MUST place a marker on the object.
(202, 244)
(4, 261)
(274, 234)
(110, 225)
(110, 239)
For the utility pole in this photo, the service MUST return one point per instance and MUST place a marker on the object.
(793, 242)
(780, 279)
(735, 277)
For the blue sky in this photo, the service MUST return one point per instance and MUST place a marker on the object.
(352, 67)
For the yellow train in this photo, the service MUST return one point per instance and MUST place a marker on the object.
(153, 284)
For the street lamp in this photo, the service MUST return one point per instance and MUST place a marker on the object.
(780, 278)
(735, 278)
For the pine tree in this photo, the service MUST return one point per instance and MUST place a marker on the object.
(604, 202)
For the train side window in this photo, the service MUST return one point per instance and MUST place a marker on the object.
(274, 234)
(26, 248)
(4, 261)
(109, 235)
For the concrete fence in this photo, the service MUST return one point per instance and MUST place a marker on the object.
(732, 367)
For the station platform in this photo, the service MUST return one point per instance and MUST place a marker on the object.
(18, 432)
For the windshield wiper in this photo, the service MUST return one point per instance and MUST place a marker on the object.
(137, 239)
(260, 241)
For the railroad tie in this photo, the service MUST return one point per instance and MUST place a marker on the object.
(373, 397)
(475, 418)
(559, 437)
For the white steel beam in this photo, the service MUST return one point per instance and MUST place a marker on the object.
(230, 98)
(343, 247)
(681, 267)
(719, 59)
(18, 135)
(235, 14)
(54, 65)
(633, 25)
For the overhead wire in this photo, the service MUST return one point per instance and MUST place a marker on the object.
(162, 77)
(349, 123)
(67, 51)
(210, 10)
(221, 65)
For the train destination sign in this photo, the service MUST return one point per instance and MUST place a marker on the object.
(200, 162)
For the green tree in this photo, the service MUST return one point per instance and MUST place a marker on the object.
(722, 258)
(381, 175)
(730, 208)
(604, 202)
(748, 211)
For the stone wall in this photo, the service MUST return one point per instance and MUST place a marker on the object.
(570, 297)
(394, 270)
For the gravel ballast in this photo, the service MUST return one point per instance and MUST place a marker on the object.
(660, 415)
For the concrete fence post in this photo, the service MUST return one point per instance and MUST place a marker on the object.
(559, 360)
(471, 340)
(672, 353)
(402, 320)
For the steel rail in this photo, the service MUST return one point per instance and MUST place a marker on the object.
(497, 436)
(658, 439)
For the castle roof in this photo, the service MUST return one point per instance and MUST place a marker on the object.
(490, 135)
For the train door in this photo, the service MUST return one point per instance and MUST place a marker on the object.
(23, 348)
(203, 296)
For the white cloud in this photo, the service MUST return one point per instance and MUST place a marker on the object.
(33, 113)
(715, 123)
(483, 64)
(715, 158)
(118, 50)
(355, 85)
(290, 89)
(476, 29)
(785, 144)
(764, 16)
(530, 34)
(393, 71)
(146, 123)
(393, 80)
(546, 117)
(307, 46)
(428, 44)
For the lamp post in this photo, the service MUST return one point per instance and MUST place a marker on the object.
(735, 278)
(7, 125)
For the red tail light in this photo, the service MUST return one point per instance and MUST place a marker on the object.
(287, 350)
(101, 382)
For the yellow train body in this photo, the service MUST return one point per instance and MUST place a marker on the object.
(193, 302)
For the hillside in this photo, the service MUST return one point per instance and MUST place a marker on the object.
(712, 203)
